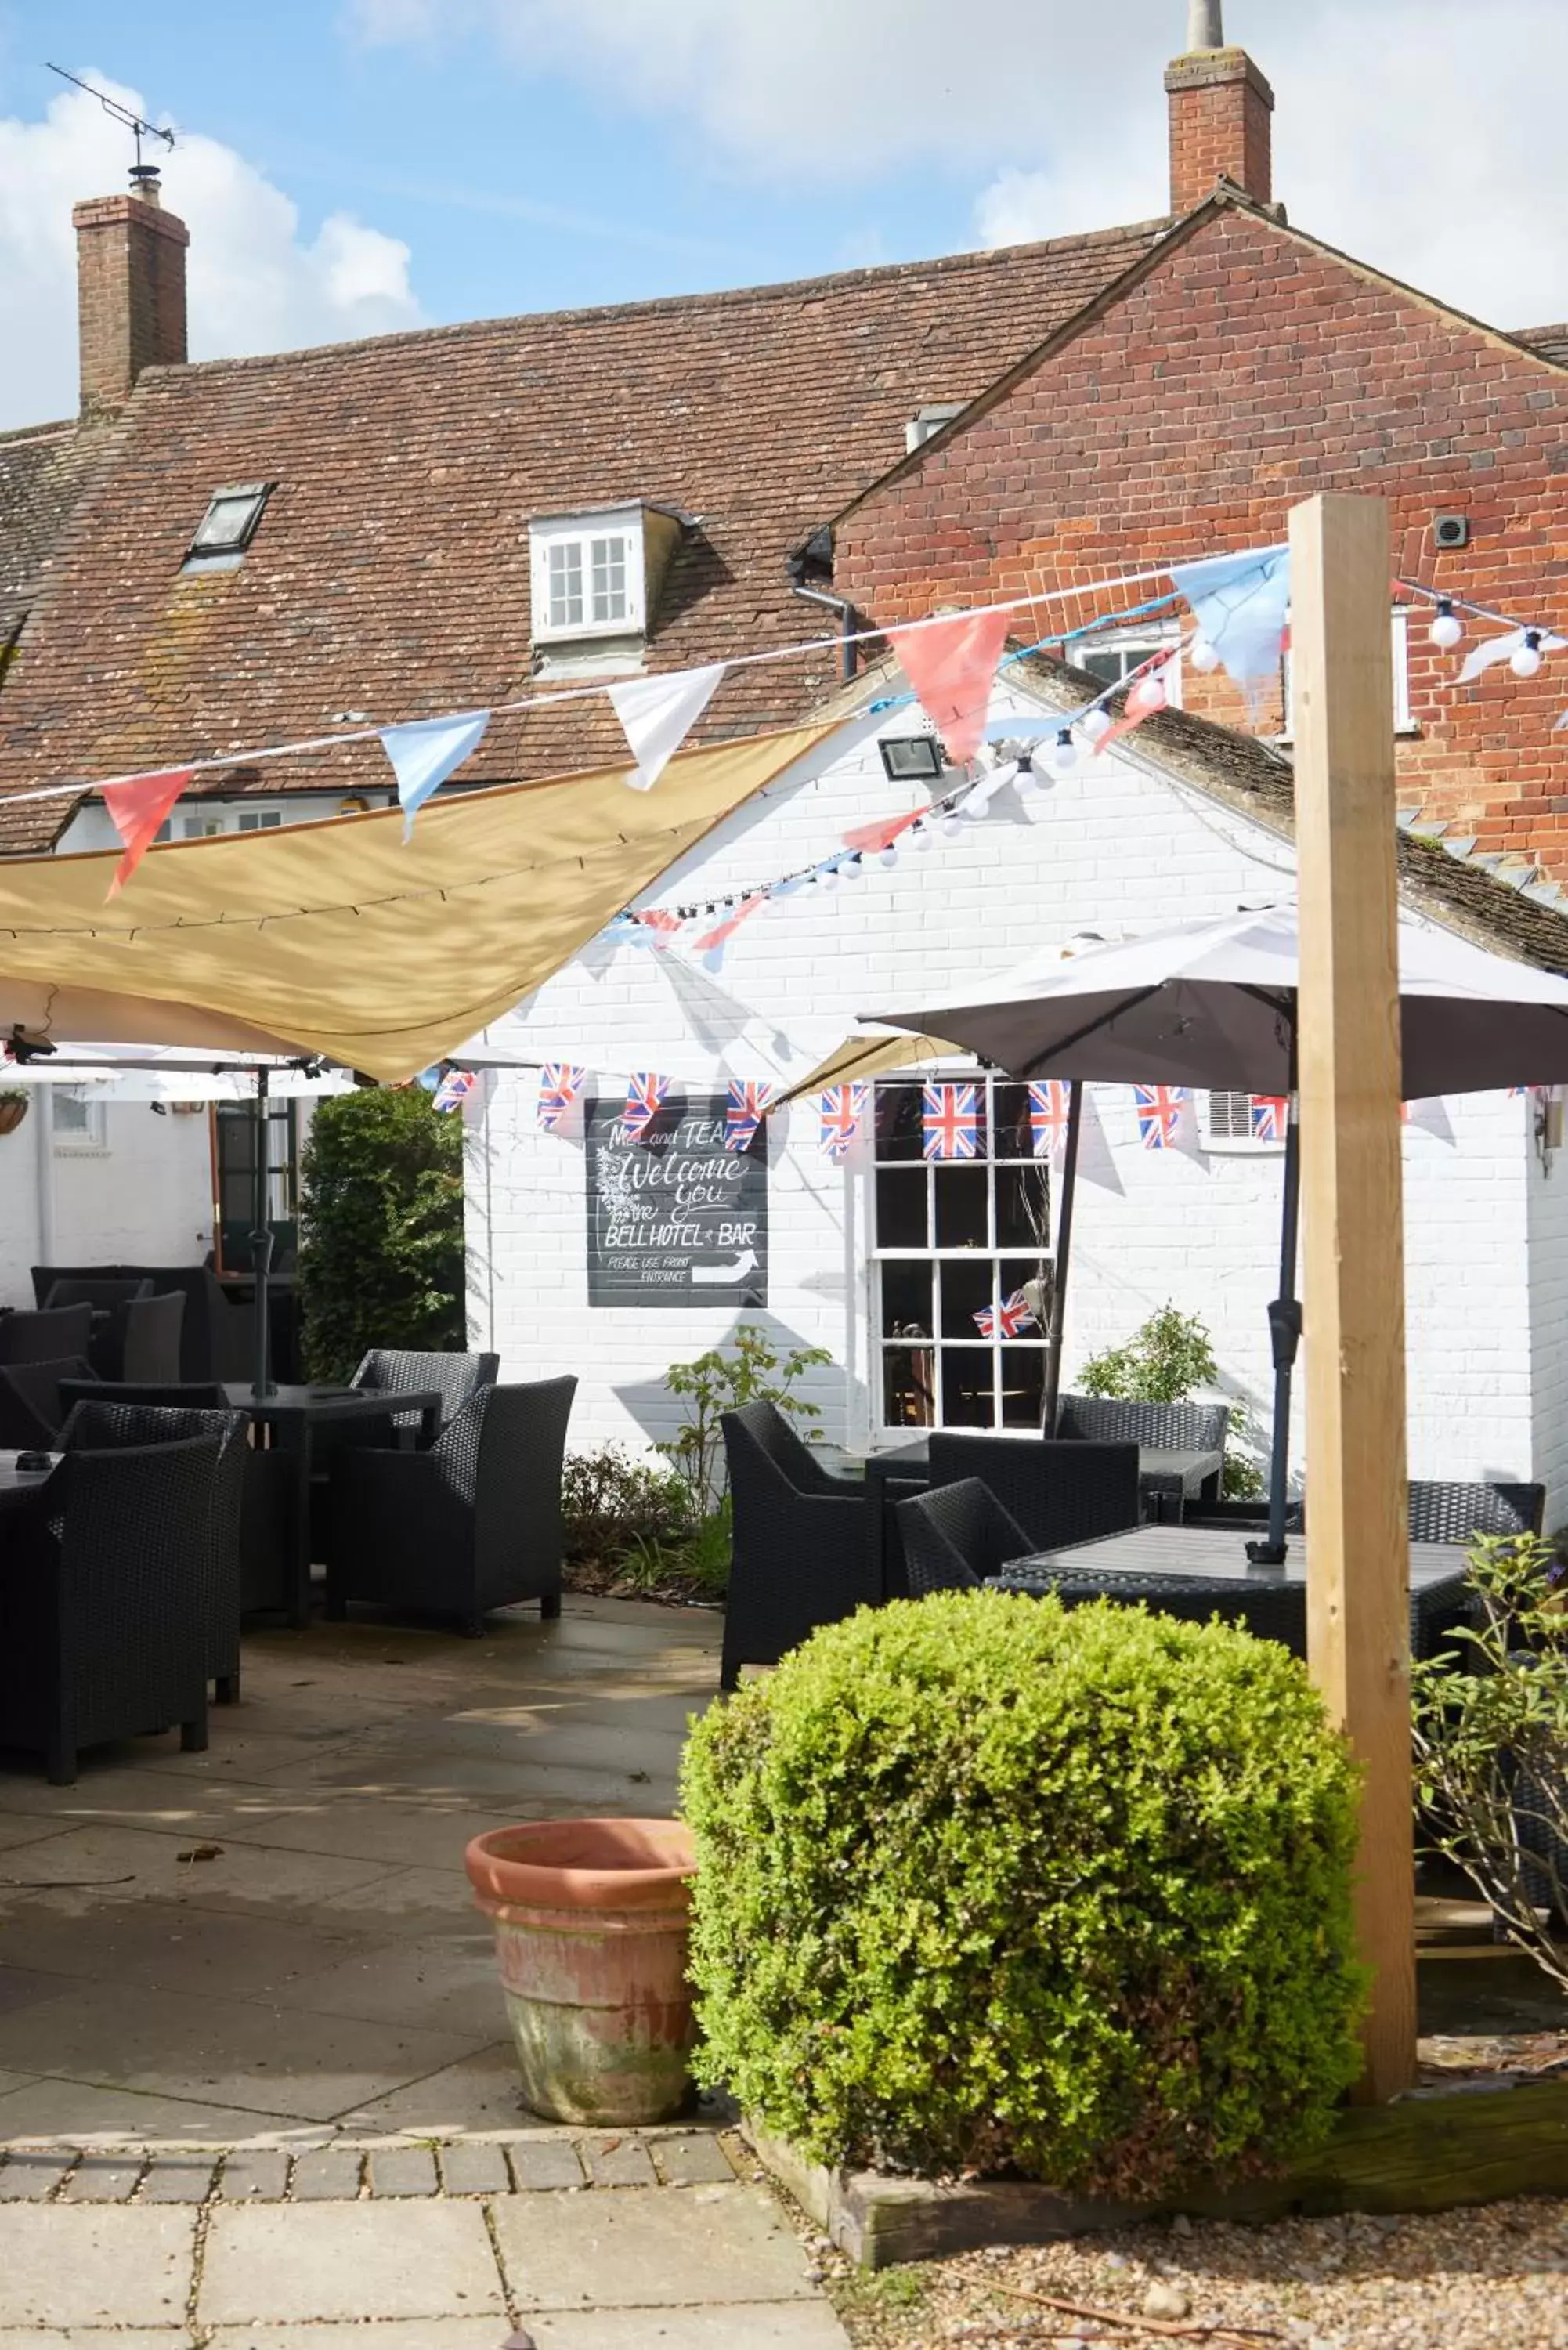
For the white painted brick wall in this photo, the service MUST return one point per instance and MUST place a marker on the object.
(1111, 848)
(145, 1198)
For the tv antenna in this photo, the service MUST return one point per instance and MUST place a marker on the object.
(139, 128)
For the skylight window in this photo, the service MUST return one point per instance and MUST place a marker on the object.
(230, 521)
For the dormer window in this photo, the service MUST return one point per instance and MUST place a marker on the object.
(929, 420)
(595, 579)
(228, 526)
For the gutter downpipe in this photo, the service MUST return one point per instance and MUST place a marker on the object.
(845, 611)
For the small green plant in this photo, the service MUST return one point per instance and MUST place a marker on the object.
(613, 1505)
(381, 1249)
(754, 1372)
(700, 1558)
(984, 1882)
(1167, 1361)
(1491, 1745)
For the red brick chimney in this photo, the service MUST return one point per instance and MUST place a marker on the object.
(1219, 111)
(130, 290)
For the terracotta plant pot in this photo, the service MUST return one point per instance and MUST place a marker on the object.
(591, 1920)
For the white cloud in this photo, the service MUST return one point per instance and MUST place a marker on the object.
(1422, 135)
(254, 284)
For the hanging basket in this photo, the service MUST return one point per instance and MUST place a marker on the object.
(13, 1109)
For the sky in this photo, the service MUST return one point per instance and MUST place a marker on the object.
(351, 167)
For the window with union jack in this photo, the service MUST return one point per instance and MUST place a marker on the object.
(961, 1208)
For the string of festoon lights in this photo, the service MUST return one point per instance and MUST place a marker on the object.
(1524, 648)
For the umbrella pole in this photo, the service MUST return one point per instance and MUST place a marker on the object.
(1284, 1333)
(1064, 1251)
(261, 1250)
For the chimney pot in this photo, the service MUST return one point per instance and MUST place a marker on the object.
(130, 290)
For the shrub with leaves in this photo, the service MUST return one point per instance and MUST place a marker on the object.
(1166, 1361)
(613, 1502)
(1491, 1745)
(987, 1882)
(754, 1372)
(382, 1248)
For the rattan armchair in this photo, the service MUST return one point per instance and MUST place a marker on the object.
(95, 1426)
(956, 1535)
(472, 1524)
(1160, 1427)
(32, 1409)
(47, 1336)
(1454, 1513)
(1059, 1491)
(140, 1341)
(801, 1551)
(403, 1370)
(100, 1604)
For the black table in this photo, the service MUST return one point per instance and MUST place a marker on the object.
(291, 1415)
(1133, 1564)
(17, 1485)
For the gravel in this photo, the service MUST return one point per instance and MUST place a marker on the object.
(1473, 2279)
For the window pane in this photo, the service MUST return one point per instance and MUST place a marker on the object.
(1023, 1206)
(565, 571)
(901, 1207)
(72, 1113)
(1010, 1110)
(1022, 1386)
(1013, 1273)
(897, 1124)
(962, 1198)
(907, 1299)
(907, 1387)
(966, 1291)
(1108, 665)
(967, 1385)
(608, 562)
(225, 524)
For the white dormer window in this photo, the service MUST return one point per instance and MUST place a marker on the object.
(589, 573)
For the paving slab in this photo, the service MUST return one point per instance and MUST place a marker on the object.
(21, 1828)
(396, 1833)
(441, 1984)
(103, 2179)
(693, 2158)
(179, 2178)
(104, 2264)
(478, 2093)
(29, 2177)
(750, 2326)
(405, 1901)
(474, 2167)
(618, 2158)
(235, 2052)
(660, 2245)
(77, 2112)
(136, 1794)
(23, 1986)
(259, 2176)
(304, 2263)
(404, 2171)
(329, 2174)
(546, 2165)
(391, 2333)
(175, 1946)
(85, 1870)
(92, 2337)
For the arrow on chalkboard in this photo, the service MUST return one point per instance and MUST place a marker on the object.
(714, 1275)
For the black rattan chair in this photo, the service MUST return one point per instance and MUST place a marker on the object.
(1453, 1514)
(801, 1549)
(100, 1291)
(32, 1411)
(95, 1426)
(472, 1524)
(216, 1336)
(100, 1604)
(402, 1370)
(1159, 1427)
(140, 1343)
(47, 1337)
(1059, 1491)
(955, 1536)
(174, 1395)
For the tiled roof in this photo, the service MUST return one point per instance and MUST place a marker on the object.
(41, 470)
(390, 571)
(1552, 342)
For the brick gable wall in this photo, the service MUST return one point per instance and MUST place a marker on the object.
(1245, 369)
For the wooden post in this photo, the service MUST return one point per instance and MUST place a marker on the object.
(1357, 1536)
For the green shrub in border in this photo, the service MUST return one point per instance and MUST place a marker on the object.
(987, 1883)
(381, 1249)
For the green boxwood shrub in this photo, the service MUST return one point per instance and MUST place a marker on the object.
(987, 1883)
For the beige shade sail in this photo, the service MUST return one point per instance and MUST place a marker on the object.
(336, 938)
(872, 1056)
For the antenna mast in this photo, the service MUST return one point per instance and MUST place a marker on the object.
(138, 127)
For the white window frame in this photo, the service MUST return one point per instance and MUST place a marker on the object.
(1222, 1132)
(879, 1346)
(1400, 644)
(578, 533)
(928, 420)
(90, 1139)
(1136, 645)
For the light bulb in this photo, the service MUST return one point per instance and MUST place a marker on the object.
(920, 837)
(851, 868)
(1446, 629)
(1148, 695)
(1203, 656)
(829, 877)
(1526, 662)
(888, 856)
(1095, 724)
(1064, 753)
(951, 825)
(1026, 782)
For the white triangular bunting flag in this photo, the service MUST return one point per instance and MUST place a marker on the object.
(1492, 649)
(656, 714)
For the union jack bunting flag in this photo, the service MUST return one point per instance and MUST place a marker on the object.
(842, 1109)
(744, 1111)
(560, 1082)
(1158, 1115)
(1006, 1320)
(1270, 1116)
(951, 1121)
(644, 1100)
(455, 1088)
(1048, 1119)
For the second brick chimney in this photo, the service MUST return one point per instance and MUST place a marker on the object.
(130, 291)
(1220, 107)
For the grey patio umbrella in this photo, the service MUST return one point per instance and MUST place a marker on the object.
(1214, 1005)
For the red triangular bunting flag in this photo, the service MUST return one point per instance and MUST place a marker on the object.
(869, 837)
(136, 811)
(950, 664)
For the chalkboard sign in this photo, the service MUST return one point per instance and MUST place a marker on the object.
(675, 1218)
